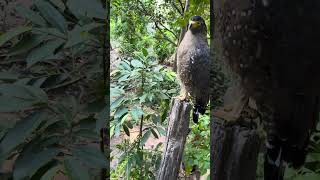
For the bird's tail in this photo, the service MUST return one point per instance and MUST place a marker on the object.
(196, 110)
(292, 146)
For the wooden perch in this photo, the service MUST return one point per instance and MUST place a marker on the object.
(235, 142)
(234, 152)
(175, 140)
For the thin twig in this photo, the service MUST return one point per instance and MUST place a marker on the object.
(176, 7)
(164, 36)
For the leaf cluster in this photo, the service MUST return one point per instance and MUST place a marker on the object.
(58, 51)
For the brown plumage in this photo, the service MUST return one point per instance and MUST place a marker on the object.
(272, 45)
(193, 65)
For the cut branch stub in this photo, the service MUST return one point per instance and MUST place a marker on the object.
(176, 138)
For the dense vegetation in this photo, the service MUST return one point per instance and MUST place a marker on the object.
(146, 35)
(52, 92)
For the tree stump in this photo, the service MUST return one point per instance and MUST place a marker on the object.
(234, 152)
(176, 138)
(235, 140)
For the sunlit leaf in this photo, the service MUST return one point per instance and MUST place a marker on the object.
(136, 63)
(145, 52)
(120, 112)
(136, 113)
(116, 103)
(145, 137)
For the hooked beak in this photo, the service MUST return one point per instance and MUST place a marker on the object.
(193, 24)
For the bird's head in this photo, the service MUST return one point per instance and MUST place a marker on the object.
(197, 24)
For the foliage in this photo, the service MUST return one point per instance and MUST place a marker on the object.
(56, 51)
(140, 94)
(153, 25)
(129, 167)
(197, 150)
(310, 170)
(146, 32)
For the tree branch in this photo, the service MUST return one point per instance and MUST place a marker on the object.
(175, 6)
(182, 7)
(164, 36)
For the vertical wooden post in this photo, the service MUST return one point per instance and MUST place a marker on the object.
(176, 138)
(234, 151)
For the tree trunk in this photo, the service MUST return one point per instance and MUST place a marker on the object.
(176, 138)
(234, 141)
(234, 151)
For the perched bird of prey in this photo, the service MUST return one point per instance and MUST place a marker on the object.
(273, 46)
(193, 66)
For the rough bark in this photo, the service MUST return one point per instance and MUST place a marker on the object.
(176, 137)
(234, 152)
(235, 141)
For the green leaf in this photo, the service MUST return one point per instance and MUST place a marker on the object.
(116, 103)
(75, 170)
(124, 78)
(102, 118)
(145, 52)
(120, 112)
(52, 15)
(91, 156)
(161, 131)
(26, 44)
(76, 36)
(51, 173)
(145, 137)
(44, 51)
(126, 129)
(137, 64)
(136, 113)
(129, 124)
(27, 164)
(16, 97)
(59, 4)
(154, 133)
(8, 76)
(13, 33)
(52, 33)
(308, 176)
(88, 8)
(88, 134)
(311, 157)
(20, 132)
(34, 17)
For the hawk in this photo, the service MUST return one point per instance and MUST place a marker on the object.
(273, 47)
(193, 66)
